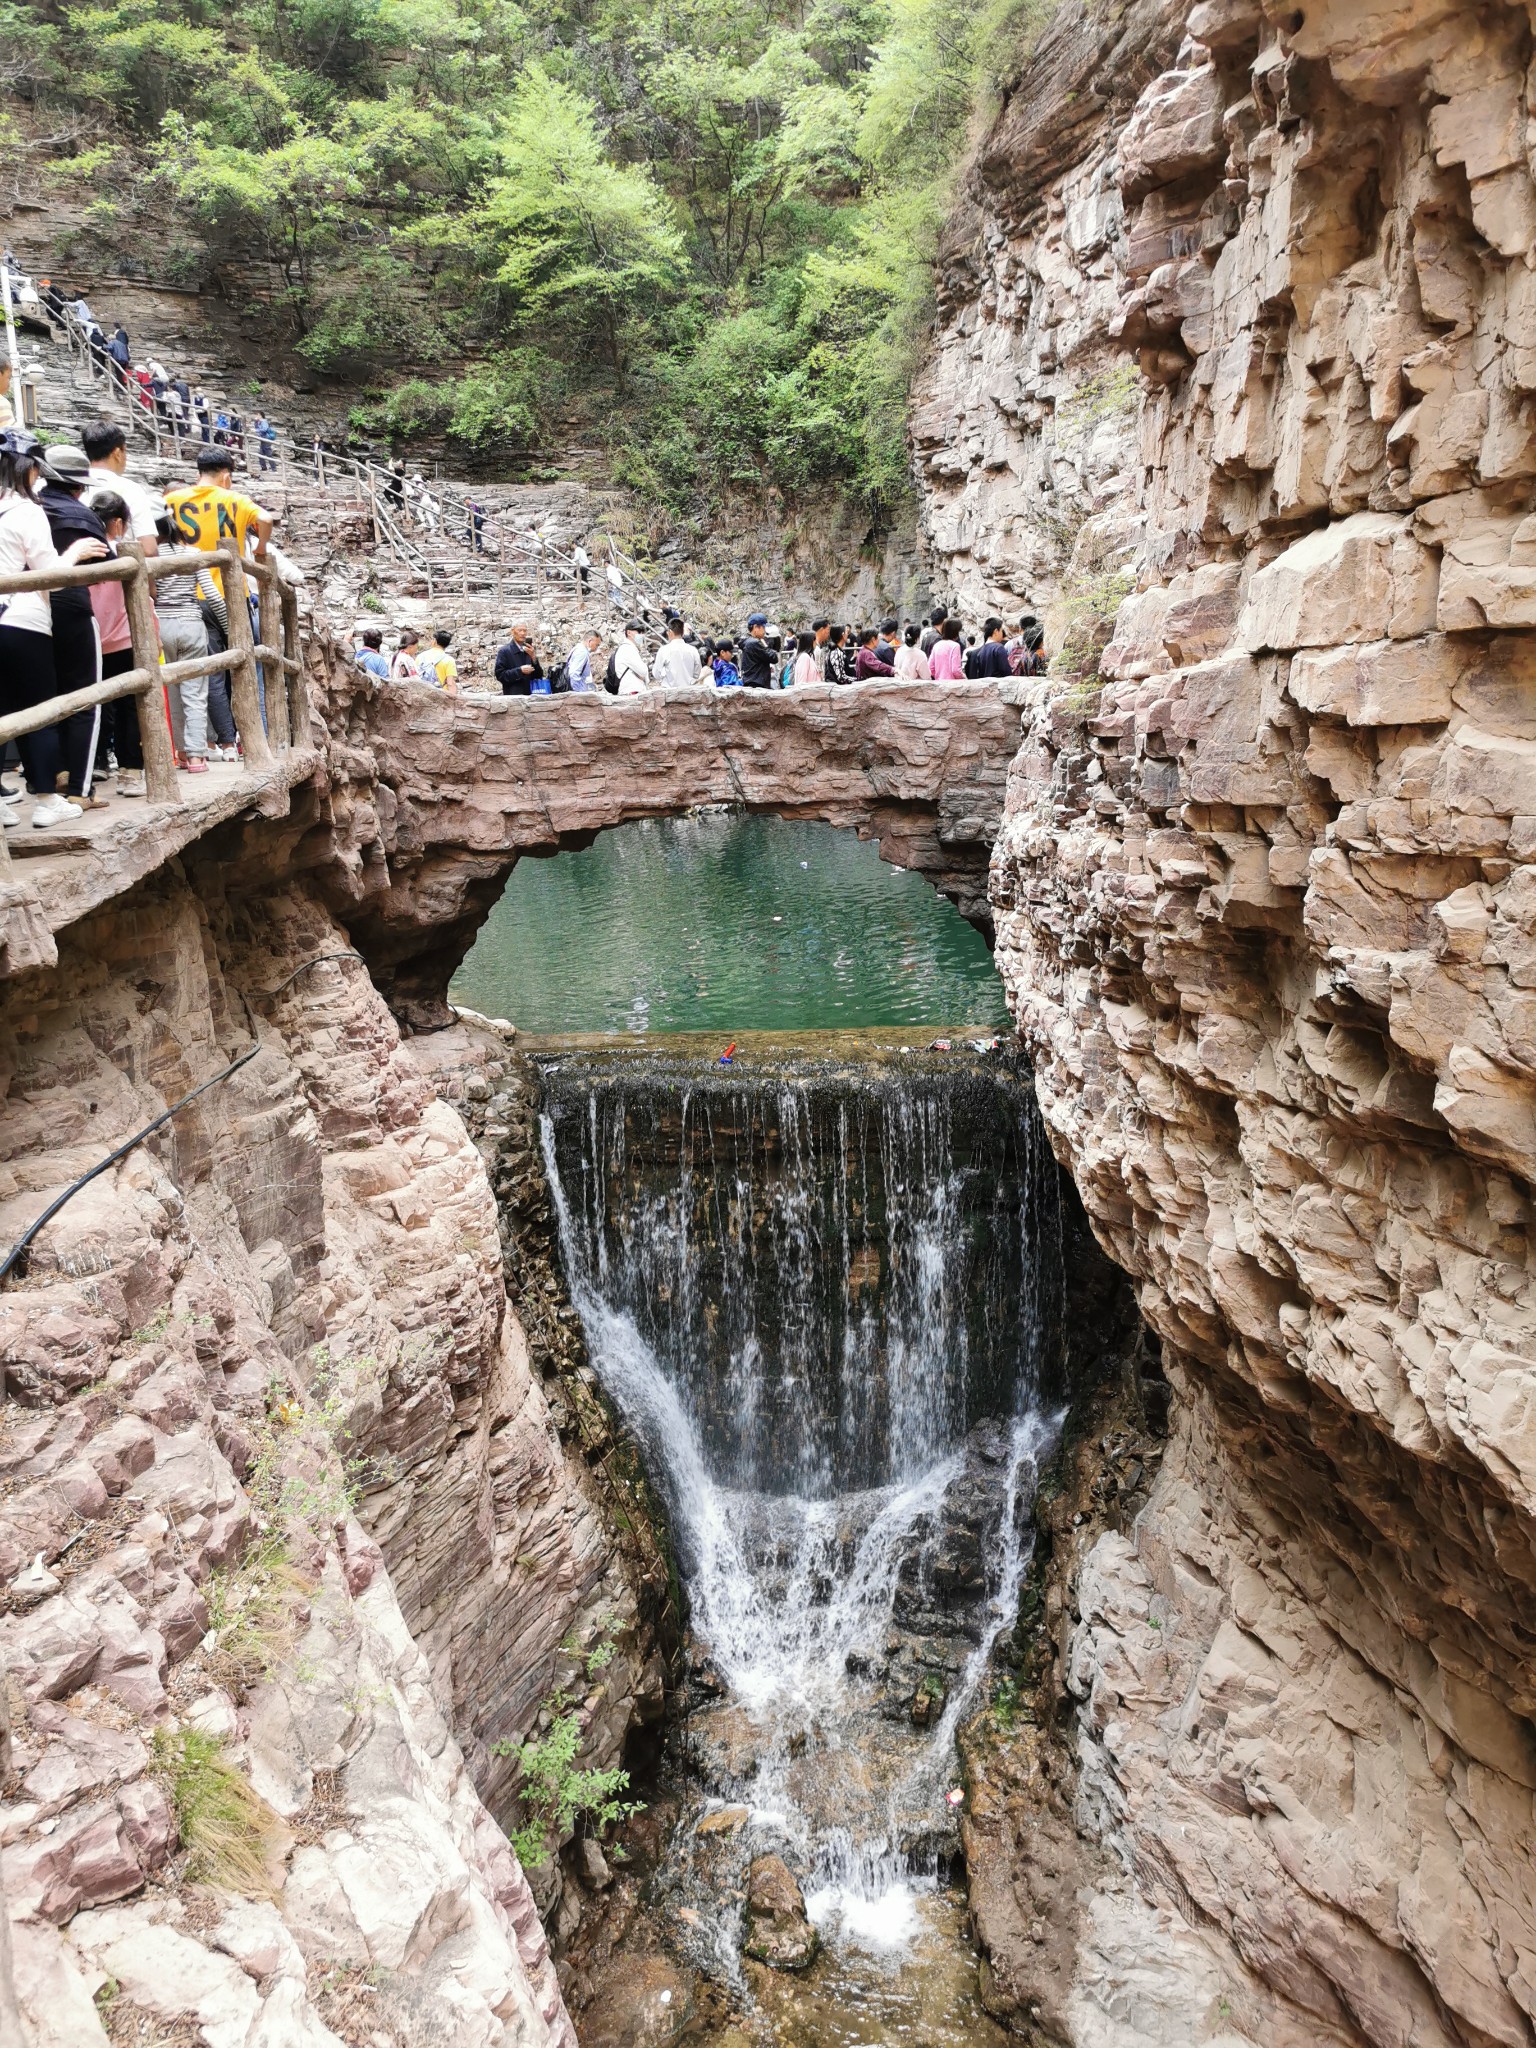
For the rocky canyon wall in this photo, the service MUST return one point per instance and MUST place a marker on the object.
(278, 1487)
(1264, 901)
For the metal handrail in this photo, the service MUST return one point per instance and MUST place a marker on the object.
(291, 460)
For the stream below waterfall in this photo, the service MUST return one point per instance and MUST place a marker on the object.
(828, 1295)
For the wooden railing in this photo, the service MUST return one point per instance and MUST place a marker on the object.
(277, 655)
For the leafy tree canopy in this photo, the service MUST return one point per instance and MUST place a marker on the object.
(711, 221)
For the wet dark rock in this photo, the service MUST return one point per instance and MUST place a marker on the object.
(778, 1932)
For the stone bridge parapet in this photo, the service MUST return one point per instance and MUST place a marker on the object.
(465, 787)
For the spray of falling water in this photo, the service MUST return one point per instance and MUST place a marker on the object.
(795, 1537)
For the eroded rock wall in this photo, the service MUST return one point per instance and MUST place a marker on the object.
(1264, 909)
(285, 1318)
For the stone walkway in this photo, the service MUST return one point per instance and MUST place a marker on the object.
(59, 875)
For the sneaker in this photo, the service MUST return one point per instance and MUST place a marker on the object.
(10, 817)
(53, 810)
(130, 785)
(195, 765)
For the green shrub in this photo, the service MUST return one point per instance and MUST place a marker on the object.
(555, 1794)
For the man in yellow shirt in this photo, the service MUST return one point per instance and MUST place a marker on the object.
(211, 513)
(436, 666)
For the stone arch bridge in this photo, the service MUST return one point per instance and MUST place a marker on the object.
(464, 788)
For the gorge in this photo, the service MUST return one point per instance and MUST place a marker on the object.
(785, 1423)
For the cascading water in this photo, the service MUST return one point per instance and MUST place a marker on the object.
(829, 1302)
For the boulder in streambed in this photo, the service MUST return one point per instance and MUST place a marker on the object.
(637, 2002)
(778, 1932)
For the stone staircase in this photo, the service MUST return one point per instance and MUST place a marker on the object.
(367, 557)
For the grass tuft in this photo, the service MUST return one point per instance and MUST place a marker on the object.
(253, 1614)
(227, 1829)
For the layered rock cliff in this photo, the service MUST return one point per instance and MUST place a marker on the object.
(1264, 899)
(281, 1493)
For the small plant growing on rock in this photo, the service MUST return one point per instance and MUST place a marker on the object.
(226, 1827)
(1092, 603)
(253, 1614)
(555, 1793)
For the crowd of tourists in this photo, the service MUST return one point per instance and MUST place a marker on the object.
(186, 417)
(67, 504)
(936, 649)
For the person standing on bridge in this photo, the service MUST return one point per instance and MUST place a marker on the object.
(211, 513)
(370, 656)
(629, 663)
(839, 662)
(677, 665)
(911, 662)
(756, 655)
(946, 663)
(805, 670)
(991, 657)
(578, 664)
(106, 447)
(821, 636)
(518, 668)
(868, 662)
(436, 667)
(77, 646)
(403, 667)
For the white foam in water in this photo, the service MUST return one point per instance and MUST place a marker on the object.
(886, 1925)
(782, 1633)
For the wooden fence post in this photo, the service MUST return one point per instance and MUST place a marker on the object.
(160, 785)
(296, 681)
(271, 615)
(244, 692)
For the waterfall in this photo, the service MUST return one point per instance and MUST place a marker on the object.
(829, 1305)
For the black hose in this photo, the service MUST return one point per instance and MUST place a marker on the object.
(18, 1250)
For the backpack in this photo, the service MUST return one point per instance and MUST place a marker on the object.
(611, 674)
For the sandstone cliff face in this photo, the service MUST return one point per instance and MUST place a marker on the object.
(284, 1319)
(1264, 909)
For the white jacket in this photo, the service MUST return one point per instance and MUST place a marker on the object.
(629, 667)
(26, 543)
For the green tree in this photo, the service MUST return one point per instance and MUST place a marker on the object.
(297, 198)
(580, 242)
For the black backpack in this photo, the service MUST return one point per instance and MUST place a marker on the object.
(611, 674)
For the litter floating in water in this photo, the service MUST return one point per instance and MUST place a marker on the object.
(805, 863)
(729, 1053)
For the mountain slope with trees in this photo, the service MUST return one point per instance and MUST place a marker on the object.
(705, 225)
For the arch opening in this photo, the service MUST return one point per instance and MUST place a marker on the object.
(727, 920)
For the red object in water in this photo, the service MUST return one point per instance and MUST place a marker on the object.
(725, 1057)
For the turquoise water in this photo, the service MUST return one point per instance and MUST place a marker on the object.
(731, 923)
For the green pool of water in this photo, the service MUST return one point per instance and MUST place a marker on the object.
(731, 923)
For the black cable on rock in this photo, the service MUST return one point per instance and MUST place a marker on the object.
(18, 1250)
